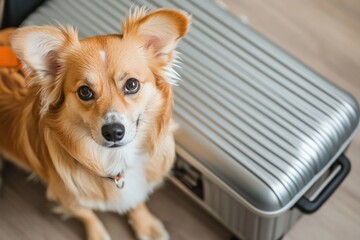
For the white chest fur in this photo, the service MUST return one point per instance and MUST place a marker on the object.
(135, 191)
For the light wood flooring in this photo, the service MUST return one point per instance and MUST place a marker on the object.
(324, 34)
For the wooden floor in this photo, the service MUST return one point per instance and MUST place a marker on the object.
(324, 34)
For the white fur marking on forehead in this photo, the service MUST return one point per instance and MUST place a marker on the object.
(113, 117)
(103, 55)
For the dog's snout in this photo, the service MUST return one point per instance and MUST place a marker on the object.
(113, 132)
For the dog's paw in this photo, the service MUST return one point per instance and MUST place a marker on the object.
(98, 236)
(97, 232)
(151, 230)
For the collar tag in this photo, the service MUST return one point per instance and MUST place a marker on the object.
(119, 180)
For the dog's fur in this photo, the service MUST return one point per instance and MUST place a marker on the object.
(47, 129)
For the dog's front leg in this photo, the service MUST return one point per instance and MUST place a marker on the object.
(95, 230)
(146, 225)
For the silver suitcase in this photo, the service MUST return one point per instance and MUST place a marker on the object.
(261, 136)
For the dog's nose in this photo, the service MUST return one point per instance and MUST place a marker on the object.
(113, 132)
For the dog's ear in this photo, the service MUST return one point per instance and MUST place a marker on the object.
(40, 50)
(160, 30)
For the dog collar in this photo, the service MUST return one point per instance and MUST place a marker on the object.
(119, 180)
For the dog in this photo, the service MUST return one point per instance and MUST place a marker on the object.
(94, 118)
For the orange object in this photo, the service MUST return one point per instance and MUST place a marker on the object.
(8, 57)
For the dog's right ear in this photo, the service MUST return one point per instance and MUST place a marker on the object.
(40, 49)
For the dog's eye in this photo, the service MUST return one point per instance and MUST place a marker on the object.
(85, 93)
(132, 86)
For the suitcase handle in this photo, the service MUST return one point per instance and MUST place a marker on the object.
(307, 206)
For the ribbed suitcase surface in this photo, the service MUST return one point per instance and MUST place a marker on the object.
(263, 123)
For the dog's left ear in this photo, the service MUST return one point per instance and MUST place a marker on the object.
(41, 51)
(160, 30)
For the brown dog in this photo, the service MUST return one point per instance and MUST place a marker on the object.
(95, 119)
